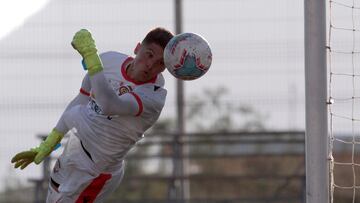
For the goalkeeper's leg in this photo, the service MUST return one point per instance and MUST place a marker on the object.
(109, 187)
(97, 189)
(75, 178)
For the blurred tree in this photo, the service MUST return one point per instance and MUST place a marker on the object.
(212, 112)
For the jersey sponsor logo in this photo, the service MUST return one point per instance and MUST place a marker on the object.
(93, 106)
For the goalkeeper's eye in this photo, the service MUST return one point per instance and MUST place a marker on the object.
(149, 54)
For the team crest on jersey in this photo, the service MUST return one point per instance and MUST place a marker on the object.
(124, 89)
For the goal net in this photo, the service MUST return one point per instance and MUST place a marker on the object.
(343, 65)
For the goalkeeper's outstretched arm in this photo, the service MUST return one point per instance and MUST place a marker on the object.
(38, 154)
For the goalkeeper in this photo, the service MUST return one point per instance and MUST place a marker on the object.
(119, 99)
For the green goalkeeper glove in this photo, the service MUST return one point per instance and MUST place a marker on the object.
(38, 154)
(85, 45)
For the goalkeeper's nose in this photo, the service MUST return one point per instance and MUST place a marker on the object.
(149, 64)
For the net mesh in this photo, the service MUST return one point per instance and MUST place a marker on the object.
(344, 96)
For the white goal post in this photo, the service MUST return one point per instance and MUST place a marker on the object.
(316, 140)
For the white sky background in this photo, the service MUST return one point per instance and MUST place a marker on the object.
(13, 16)
(13, 13)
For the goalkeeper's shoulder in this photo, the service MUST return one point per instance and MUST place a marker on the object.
(111, 58)
(112, 55)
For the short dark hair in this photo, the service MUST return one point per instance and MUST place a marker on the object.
(159, 36)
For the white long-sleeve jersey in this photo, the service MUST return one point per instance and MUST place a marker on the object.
(109, 137)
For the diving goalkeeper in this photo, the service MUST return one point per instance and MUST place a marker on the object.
(119, 99)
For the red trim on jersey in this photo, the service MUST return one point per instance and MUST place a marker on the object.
(123, 71)
(141, 108)
(92, 190)
(84, 92)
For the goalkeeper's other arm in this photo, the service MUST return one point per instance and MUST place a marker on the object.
(23, 159)
(38, 154)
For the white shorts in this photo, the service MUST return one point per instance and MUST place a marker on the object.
(75, 178)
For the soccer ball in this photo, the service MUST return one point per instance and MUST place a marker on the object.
(187, 56)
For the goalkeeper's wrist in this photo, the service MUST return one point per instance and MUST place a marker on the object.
(51, 141)
(93, 64)
(47, 146)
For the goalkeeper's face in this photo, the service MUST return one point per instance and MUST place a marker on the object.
(148, 62)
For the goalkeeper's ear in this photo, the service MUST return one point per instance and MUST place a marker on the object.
(137, 48)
